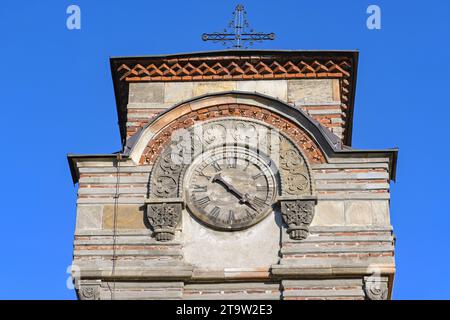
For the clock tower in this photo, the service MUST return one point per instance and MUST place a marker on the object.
(236, 180)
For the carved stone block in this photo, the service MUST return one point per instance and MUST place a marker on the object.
(164, 217)
(376, 288)
(298, 215)
(165, 176)
(89, 292)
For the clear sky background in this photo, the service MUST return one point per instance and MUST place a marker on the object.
(57, 98)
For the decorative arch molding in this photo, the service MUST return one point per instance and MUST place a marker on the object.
(293, 146)
(288, 161)
(316, 142)
(295, 194)
(244, 111)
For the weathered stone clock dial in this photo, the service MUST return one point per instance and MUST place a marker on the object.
(230, 188)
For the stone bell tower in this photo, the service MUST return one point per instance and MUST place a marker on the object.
(236, 180)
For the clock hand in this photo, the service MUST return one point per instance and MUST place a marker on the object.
(247, 201)
(243, 198)
(228, 186)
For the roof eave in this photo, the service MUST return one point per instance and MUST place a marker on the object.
(74, 158)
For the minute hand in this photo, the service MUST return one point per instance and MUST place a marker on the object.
(241, 196)
(247, 201)
(229, 187)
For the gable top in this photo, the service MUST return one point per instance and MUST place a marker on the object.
(237, 65)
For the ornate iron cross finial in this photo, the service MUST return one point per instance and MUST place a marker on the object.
(238, 32)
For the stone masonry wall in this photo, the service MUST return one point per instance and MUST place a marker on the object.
(351, 229)
(350, 233)
(320, 98)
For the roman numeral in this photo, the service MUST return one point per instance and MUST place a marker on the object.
(201, 174)
(248, 164)
(259, 202)
(215, 212)
(262, 188)
(231, 217)
(256, 176)
(250, 215)
(198, 188)
(216, 166)
(202, 202)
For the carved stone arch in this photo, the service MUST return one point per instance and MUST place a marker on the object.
(290, 163)
(292, 166)
(298, 135)
(316, 142)
(296, 151)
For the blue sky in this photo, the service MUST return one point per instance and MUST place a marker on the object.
(57, 98)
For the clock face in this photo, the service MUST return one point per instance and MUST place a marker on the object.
(230, 188)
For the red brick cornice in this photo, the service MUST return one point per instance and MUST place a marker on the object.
(234, 68)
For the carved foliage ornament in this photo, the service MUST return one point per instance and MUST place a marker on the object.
(164, 217)
(294, 169)
(298, 215)
(165, 175)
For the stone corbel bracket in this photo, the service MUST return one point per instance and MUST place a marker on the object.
(89, 290)
(164, 214)
(376, 288)
(297, 213)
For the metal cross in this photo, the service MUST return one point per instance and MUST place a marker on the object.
(238, 32)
